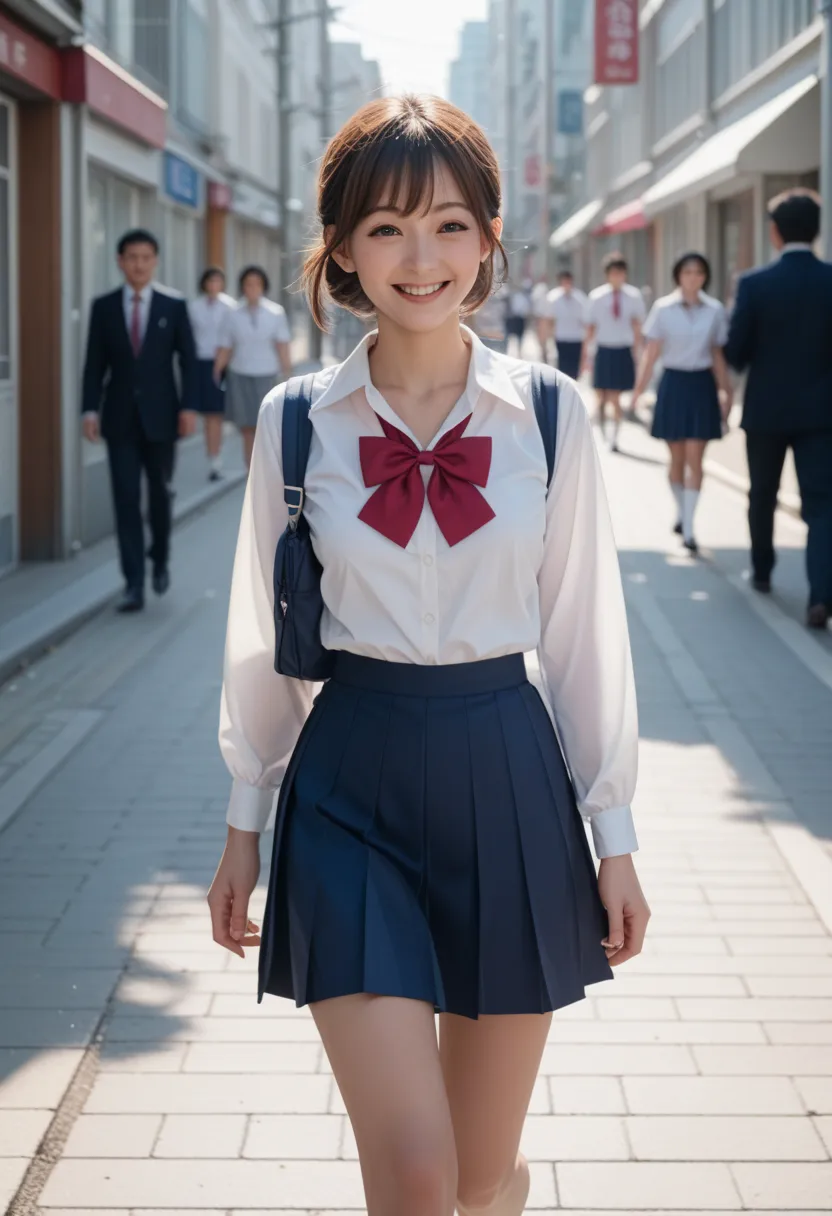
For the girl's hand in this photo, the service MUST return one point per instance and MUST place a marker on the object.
(627, 909)
(234, 881)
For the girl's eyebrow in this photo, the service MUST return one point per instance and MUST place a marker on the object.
(398, 210)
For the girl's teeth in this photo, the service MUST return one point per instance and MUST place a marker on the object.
(421, 291)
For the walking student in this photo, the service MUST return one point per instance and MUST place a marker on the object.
(519, 306)
(430, 855)
(254, 347)
(139, 337)
(567, 310)
(781, 331)
(615, 315)
(207, 313)
(688, 329)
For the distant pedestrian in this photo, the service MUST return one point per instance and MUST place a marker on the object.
(254, 347)
(519, 306)
(567, 309)
(616, 314)
(688, 329)
(131, 399)
(540, 316)
(207, 313)
(781, 330)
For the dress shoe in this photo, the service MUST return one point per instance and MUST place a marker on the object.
(215, 475)
(763, 585)
(161, 580)
(692, 547)
(677, 527)
(131, 601)
(817, 616)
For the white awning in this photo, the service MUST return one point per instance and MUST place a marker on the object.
(576, 225)
(782, 136)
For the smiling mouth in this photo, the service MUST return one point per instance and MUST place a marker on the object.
(415, 292)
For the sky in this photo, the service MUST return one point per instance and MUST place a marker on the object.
(413, 40)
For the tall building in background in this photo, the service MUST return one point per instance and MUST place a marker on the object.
(355, 81)
(469, 78)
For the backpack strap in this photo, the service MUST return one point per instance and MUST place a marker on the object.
(297, 437)
(545, 401)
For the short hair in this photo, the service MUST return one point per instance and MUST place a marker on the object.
(261, 274)
(615, 261)
(566, 274)
(389, 153)
(136, 236)
(796, 215)
(209, 273)
(685, 259)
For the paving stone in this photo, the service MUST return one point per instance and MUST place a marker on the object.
(212, 1030)
(113, 1136)
(636, 1009)
(574, 1138)
(765, 1061)
(32, 1079)
(616, 1060)
(823, 1125)
(197, 1136)
(641, 1185)
(142, 1057)
(261, 1058)
(798, 1032)
(816, 1092)
(752, 1138)
(12, 1170)
(755, 1009)
(783, 1185)
(177, 1093)
(21, 1131)
(746, 1095)
(288, 1137)
(587, 1096)
(47, 1027)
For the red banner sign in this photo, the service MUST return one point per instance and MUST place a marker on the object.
(26, 57)
(616, 42)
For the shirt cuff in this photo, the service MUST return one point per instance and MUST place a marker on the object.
(249, 806)
(613, 832)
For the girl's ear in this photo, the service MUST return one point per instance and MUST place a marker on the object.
(341, 256)
(497, 229)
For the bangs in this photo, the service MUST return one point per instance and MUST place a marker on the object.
(402, 176)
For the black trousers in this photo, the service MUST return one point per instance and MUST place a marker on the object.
(813, 463)
(128, 457)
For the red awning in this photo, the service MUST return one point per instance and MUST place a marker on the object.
(91, 78)
(629, 218)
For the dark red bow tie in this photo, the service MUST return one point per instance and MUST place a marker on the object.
(393, 463)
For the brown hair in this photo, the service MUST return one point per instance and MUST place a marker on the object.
(388, 151)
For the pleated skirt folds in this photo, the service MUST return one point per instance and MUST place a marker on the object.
(687, 407)
(428, 845)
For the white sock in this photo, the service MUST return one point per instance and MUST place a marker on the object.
(689, 500)
(616, 427)
(678, 490)
(216, 463)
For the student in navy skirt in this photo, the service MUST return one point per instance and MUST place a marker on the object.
(430, 855)
(688, 329)
(616, 313)
(207, 312)
(566, 311)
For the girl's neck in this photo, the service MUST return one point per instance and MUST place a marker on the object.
(418, 364)
(690, 299)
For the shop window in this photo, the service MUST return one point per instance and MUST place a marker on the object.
(113, 206)
(151, 43)
(193, 62)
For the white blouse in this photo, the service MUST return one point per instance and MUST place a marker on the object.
(687, 334)
(568, 310)
(542, 574)
(252, 334)
(611, 330)
(207, 315)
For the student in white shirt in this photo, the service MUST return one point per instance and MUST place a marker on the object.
(429, 854)
(616, 313)
(207, 312)
(688, 329)
(519, 306)
(254, 347)
(567, 309)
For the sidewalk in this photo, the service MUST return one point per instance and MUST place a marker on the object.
(137, 1073)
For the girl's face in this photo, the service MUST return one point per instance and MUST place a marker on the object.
(214, 284)
(691, 278)
(417, 269)
(253, 288)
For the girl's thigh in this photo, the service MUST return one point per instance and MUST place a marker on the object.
(677, 460)
(384, 1054)
(490, 1067)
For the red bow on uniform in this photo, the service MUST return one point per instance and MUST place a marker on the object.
(393, 463)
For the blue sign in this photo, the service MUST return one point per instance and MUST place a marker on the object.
(570, 112)
(181, 181)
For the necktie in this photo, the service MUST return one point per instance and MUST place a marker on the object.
(393, 463)
(616, 302)
(136, 325)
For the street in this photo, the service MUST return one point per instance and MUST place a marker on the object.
(137, 1072)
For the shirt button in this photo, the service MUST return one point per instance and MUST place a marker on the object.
(427, 559)
(428, 618)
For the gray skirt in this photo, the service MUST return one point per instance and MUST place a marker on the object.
(244, 396)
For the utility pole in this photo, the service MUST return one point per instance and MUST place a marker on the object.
(825, 7)
(284, 151)
(325, 126)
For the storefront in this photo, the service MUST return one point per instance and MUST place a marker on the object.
(182, 229)
(252, 233)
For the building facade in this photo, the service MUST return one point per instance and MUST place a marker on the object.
(726, 114)
(469, 76)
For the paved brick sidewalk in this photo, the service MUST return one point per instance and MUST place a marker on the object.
(699, 1080)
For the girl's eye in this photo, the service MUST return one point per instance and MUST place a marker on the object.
(454, 226)
(384, 230)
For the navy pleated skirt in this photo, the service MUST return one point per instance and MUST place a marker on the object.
(687, 406)
(615, 370)
(210, 397)
(569, 358)
(428, 845)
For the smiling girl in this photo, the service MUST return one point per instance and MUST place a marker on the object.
(430, 855)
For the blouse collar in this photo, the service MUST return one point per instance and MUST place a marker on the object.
(486, 373)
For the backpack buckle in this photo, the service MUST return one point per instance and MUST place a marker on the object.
(293, 497)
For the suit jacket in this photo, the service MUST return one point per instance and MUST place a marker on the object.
(126, 389)
(781, 330)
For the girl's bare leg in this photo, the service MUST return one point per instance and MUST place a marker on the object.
(694, 452)
(213, 435)
(247, 433)
(676, 476)
(385, 1058)
(490, 1066)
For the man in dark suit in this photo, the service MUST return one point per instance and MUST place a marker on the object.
(781, 330)
(132, 400)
